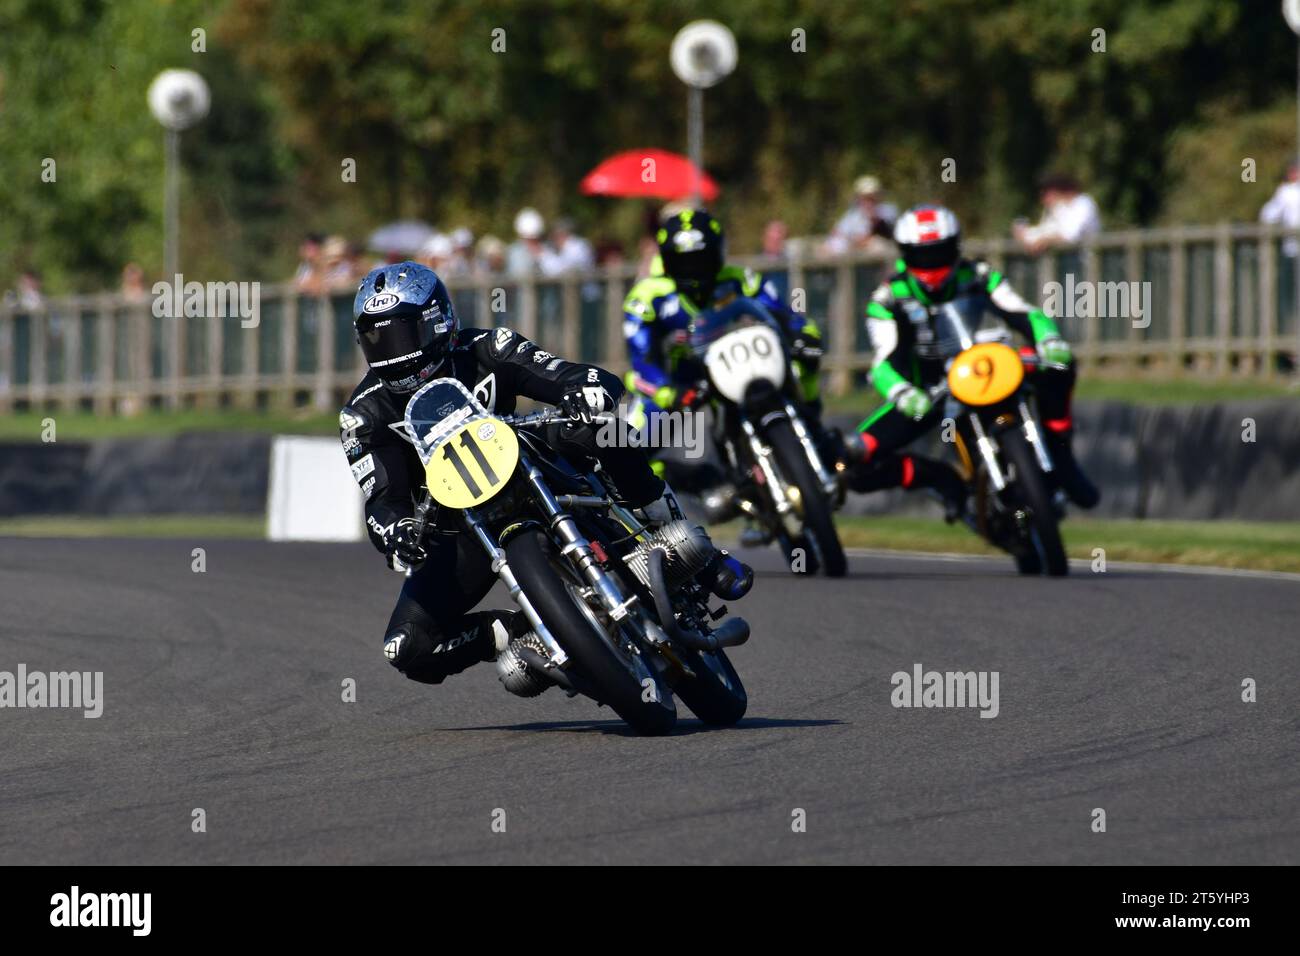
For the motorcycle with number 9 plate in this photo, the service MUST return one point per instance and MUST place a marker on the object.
(998, 439)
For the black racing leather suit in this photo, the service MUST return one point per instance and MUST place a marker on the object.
(431, 633)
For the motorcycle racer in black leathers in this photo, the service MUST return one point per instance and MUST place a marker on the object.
(407, 329)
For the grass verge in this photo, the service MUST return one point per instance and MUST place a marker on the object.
(1273, 546)
(142, 526)
(81, 426)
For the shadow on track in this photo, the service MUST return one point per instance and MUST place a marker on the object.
(685, 726)
(870, 576)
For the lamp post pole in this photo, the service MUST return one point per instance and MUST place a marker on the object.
(178, 99)
(171, 204)
(695, 139)
(703, 53)
(1291, 246)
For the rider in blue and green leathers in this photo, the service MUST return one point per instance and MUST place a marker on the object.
(657, 315)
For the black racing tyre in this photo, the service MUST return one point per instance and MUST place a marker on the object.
(715, 694)
(603, 672)
(818, 523)
(1028, 562)
(1032, 486)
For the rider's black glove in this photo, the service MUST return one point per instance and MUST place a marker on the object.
(584, 404)
(807, 350)
(404, 546)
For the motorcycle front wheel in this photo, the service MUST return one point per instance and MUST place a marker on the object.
(818, 523)
(621, 680)
(1044, 529)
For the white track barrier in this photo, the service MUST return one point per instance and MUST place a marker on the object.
(311, 495)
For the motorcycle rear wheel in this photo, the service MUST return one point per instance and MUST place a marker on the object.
(715, 694)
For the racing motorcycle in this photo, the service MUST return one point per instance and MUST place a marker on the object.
(998, 439)
(784, 483)
(614, 608)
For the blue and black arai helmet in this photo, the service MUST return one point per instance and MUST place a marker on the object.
(405, 324)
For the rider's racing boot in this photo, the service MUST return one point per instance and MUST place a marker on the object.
(921, 472)
(664, 508)
(719, 503)
(854, 450)
(1066, 468)
(753, 536)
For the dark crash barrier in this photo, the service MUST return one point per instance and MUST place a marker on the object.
(1197, 462)
(200, 473)
(1174, 463)
(1179, 462)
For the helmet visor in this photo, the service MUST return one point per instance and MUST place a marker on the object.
(932, 255)
(387, 342)
(695, 272)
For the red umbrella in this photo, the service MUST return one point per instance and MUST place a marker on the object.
(648, 172)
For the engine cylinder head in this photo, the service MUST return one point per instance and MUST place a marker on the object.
(687, 550)
(515, 674)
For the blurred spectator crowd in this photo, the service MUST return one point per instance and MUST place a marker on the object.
(1068, 216)
(331, 263)
(334, 263)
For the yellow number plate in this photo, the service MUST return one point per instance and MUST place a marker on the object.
(985, 374)
(472, 465)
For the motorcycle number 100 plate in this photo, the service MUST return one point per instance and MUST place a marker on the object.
(744, 356)
(472, 464)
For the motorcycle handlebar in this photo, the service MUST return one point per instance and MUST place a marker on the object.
(1028, 357)
(550, 416)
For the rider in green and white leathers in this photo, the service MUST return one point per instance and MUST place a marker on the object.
(907, 362)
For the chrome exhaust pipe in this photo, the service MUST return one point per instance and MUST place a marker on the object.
(546, 670)
(733, 632)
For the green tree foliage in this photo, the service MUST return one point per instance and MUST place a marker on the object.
(443, 126)
(74, 75)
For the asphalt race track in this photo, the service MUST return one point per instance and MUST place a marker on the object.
(223, 691)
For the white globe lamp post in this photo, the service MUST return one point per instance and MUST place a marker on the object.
(178, 99)
(703, 54)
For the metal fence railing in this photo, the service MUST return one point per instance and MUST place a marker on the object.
(1222, 302)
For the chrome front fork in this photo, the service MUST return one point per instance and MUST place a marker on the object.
(988, 450)
(763, 455)
(575, 547)
(501, 568)
(827, 478)
(1035, 437)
